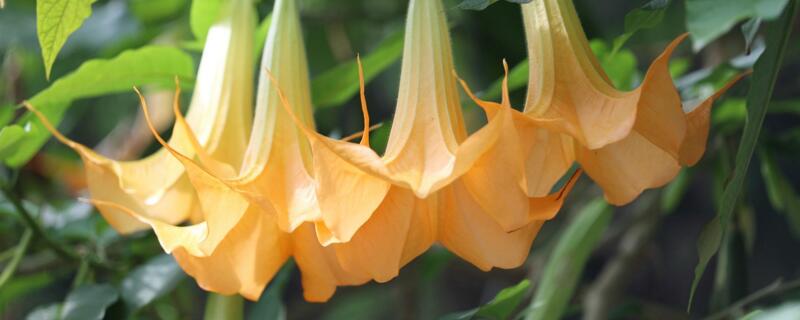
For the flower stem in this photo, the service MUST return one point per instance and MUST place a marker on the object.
(224, 307)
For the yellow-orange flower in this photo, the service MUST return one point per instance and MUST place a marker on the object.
(470, 189)
(220, 117)
(625, 141)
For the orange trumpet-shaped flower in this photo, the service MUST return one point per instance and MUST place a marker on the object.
(625, 141)
(219, 115)
(470, 191)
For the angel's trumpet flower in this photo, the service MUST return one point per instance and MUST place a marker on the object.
(219, 116)
(242, 241)
(468, 191)
(625, 141)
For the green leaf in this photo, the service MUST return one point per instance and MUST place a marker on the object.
(645, 17)
(56, 20)
(150, 11)
(765, 74)
(340, 83)
(88, 302)
(706, 20)
(150, 281)
(483, 4)
(505, 302)
(202, 16)
(565, 265)
(48, 312)
(10, 138)
(148, 65)
(620, 66)
(501, 307)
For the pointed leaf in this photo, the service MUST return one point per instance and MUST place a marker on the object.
(765, 74)
(150, 281)
(88, 302)
(56, 20)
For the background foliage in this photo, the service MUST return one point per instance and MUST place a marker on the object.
(720, 233)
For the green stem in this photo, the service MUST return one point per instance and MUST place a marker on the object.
(224, 307)
(19, 252)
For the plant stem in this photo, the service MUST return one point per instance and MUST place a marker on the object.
(224, 307)
(19, 252)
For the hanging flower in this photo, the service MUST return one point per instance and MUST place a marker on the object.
(470, 190)
(625, 141)
(219, 115)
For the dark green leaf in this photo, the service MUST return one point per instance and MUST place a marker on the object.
(56, 20)
(340, 83)
(88, 302)
(565, 265)
(150, 281)
(48, 312)
(765, 74)
(708, 19)
(148, 65)
(648, 16)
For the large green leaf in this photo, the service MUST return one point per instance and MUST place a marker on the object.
(56, 20)
(566, 263)
(708, 19)
(148, 65)
(340, 83)
(765, 74)
(88, 302)
(150, 281)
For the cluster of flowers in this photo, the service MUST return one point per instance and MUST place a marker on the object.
(235, 193)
